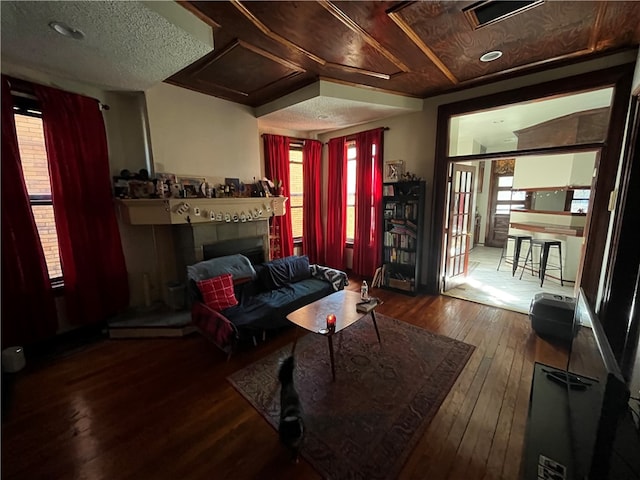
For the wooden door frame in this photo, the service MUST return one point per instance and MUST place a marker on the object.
(491, 205)
(620, 78)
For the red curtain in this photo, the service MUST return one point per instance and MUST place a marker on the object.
(95, 276)
(28, 308)
(367, 237)
(312, 240)
(276, 159)
(336, 203)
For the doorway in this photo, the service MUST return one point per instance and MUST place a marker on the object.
(502, 199)
(517, 192)
(521, 142)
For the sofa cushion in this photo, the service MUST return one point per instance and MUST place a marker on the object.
(217, 292)
(269, 309)
(299, 268)
(283, 271)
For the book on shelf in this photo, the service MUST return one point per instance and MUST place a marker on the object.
(377, 278)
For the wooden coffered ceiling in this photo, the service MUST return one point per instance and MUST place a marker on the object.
(267, 49)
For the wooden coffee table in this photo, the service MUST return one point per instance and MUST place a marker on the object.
(342, 304)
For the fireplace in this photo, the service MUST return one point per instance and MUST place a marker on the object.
(197, 242)
(251, 247)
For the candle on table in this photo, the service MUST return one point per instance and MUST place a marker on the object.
(331, 321)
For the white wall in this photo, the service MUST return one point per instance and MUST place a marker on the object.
(126, 133)
(554, 170)
(582, 170)
(482, 201)
(196, 134)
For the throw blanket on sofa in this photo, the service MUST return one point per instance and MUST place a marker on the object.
(237, 265)
(337, 278)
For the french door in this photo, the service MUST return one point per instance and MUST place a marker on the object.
(458, 223)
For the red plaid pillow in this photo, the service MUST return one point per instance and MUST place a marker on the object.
(217, 292)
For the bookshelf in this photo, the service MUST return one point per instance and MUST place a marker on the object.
(403, 218)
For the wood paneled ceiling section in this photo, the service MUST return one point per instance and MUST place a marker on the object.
(265, 50)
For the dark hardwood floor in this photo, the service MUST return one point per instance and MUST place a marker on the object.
(162, 408)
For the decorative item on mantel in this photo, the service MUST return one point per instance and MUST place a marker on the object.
(192, 187)
(133, 185)
(232, 187)
(277, 187)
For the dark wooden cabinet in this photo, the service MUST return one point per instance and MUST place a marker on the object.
(403, 226)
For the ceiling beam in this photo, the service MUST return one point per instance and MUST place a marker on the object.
(395, 16)
(354, 27)
(273, 35)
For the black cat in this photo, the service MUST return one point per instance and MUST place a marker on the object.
(291, 428)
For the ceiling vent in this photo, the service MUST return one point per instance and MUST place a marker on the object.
(490, 11)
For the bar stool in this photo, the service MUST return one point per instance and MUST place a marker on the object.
(517, 246)
(543, 256)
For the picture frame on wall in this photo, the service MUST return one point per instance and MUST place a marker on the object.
(393, 170)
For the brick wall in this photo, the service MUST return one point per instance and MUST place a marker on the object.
(36, 173)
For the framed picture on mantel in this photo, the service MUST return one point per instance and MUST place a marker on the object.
(191, 186)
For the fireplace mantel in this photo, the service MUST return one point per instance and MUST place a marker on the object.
(178, 211)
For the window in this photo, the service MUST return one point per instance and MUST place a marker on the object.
(508, 199)
(351, 190)
(580, 201)
(35, 167)
(296, 187)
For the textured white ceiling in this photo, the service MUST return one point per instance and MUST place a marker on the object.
(321, 114)
(326, 106)
(128, 45)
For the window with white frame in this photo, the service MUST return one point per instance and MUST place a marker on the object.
(508, 199)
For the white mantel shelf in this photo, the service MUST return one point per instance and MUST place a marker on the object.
(178, 211)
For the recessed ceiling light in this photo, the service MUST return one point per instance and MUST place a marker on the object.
(64, 29)
(322, 117)
(491, 56)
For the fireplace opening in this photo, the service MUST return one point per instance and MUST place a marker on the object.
(250, 247)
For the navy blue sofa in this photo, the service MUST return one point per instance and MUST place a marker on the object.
(266, 294)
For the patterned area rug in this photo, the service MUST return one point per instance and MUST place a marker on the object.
(366, 423)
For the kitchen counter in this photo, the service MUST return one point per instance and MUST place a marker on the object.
(571, 231)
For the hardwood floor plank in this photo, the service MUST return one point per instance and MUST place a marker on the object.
(511, 467)
(501, 437)
(163, 408)
(484, 416)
